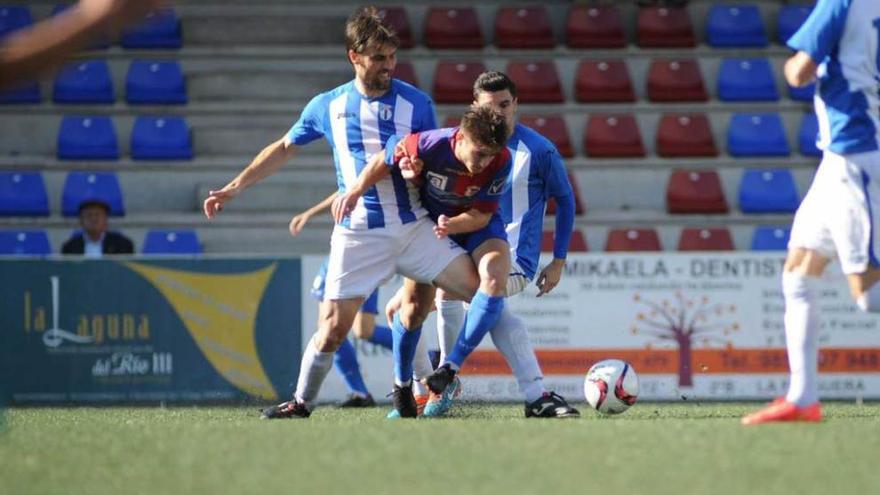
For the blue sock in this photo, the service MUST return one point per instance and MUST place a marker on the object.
(382, 336)
(481, 317)
(346, 363)
(404, 350)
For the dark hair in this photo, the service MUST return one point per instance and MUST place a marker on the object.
(365, 28)
(87, 203)
(486, 126)
(493, 81)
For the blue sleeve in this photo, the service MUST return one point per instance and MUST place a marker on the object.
(371, 304)
(821, 32)
(310, 126)
(428, 119)
(559, 188)
(390, 145)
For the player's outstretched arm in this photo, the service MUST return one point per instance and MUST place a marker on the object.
(469, 221)
(375, 171)
(265, 164)
(800, 70)
(298, 222)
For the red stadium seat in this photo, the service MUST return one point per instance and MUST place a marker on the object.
(695, 191)
(552, 127)
(578, 204)
(706, 239)
(685, 135)
(675, 80)
(536, 82)
(632, 240)
(452, 28)
(613, 136)
(603, 81)
(405, 72)
(454, 81)
(452, 121)
(523, 27)
(577, 244)
(594, 26)
(396, 18)
(665, 27)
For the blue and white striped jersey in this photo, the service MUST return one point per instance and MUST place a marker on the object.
(357, 128)
(842, 37)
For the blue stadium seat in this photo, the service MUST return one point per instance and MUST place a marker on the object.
(756, 135)
(13, 18)
(85, 186)
(155, 82)
(735, 26)
(808, 134)
(790, 19)
(23, 194)
(172, 242)
(802, 94)
(160, 30)
(87, 138)
(27, 93)
(768, 238)
(24, 243)
(160, 138)
(748, 79)
(768, 191)
(84, 82)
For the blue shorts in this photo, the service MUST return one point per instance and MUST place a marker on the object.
(371, 304)
(472, 240)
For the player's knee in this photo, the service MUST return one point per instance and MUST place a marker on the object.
(363, 332)
(412, 315)
(328, 341)
(493, 275)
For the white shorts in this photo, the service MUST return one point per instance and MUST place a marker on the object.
(837, 215)
(517, 281)
(361, 260)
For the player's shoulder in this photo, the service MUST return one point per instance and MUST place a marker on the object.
(331, 94)
(435, 138)
(532, 139)
(411, 93)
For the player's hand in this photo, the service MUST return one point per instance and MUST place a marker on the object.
(441, 230)
(549, 277)
(297, 223)
(216, 199)
(410, 168)
(343, 205)
(392, 307)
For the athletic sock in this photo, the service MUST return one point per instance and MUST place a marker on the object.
(313, 369)
(403, 351)
(346, 363)
(801, 337)
(381, 336)
(450, 320)
(481, 317)
(512, 340)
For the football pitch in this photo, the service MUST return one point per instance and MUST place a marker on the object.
(684, 448)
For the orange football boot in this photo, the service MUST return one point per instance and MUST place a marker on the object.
(782, 411)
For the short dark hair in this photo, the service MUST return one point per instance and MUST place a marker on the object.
(94, 202)
(493, 81)
(486, 126)
(365, 28)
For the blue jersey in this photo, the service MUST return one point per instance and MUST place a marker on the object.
(841, 36)
(358, 127)
(537, 175)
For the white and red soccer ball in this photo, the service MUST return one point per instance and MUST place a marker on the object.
(611, 386)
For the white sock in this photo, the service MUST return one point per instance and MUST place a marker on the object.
(512, 340)
(801, 337)
(313, 369)
(421, 367)
(450, 320)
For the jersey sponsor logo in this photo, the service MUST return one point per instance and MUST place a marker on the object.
(346, 115)
(497, 187)
(471, 190)
(437, 181)
(385, 112)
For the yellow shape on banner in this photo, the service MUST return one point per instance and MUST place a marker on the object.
(220, 312)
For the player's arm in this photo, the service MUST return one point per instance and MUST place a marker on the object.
(800, 70)
(298, 222)
(815, 40)
(560, 189)
(469, 221)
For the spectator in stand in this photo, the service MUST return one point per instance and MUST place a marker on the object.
(95, 241)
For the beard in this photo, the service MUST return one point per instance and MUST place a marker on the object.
(379, 82)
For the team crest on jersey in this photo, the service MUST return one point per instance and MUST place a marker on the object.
(385, 111)
(471, 190)
(437, 181)
(497, 187)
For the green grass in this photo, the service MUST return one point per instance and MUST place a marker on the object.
(651, 449)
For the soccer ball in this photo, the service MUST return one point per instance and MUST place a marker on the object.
(611, 386)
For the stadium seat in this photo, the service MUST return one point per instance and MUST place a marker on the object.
(160, 138)
(790, 19)
(802, 94)
(451, 121)
(632, 240)
(808, 135)
(452, 28)
(396, 18)
(685, 135)
(746, 80)
(13, 18)
(705, 239)
(406, 73)
(87, 138)
(768, 238)
(23, 194)
(578, 204)
(756, 135)
(695, 191)
(594, 26)
(84, 82)
(523, 27)
(735, 26)
(536, 82)
(22, 94)
(454, 81)
(24, 243)
(161, 30)
(768, 191)
(675, 80)
(577, 244)
(603, 81)
(86, 186)
(155, 82)
(613, 136)
(664, 27)
(171, 242)
(552, 127)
